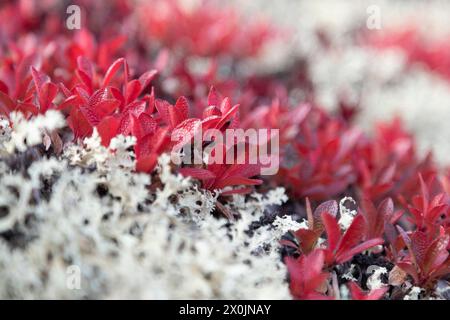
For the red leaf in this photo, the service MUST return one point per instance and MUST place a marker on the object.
(6, 104)
(27, 108)
(85, 79)
(307, 240)
(345, 256)
(108, 129)
(235, 181)
(358, 294)
(332, 229)
(185, 131)
(227, 116)
(134, 88)
(331, 207)
(71, 101)
(39, 79)
(353, 235)
(211, 111)
(376, 218)
(147, 77)
(125, 126)
(419, 246)
(210, 122)
(437, 252)
(306, 276)
(409, 268)
(82, 94)
(314, 263)
(197, 173)
(160, 140)
(214, 97)
(90, 116)
(3, 87)
(106, 107)
(179, 112)
(162, 107)
(79, 124)
(148, 124)
(85, 66)
(143, 125)
(147, 163)
(66, 92)
(112, 70)
(182, 106)
(47, 95)
(425, 195)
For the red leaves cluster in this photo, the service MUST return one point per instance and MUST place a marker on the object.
(323, 156)
(117, 105)
(23, 88)
(422, 253)
(338, 249)
(428, 212)
(308, 281)
(217, 176)
(307, 239)
(323, 150)
(219, 115)
(206, 30)
(342, 247)
(425, 258)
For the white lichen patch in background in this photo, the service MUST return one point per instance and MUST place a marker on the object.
(127, 241)
(344, 68)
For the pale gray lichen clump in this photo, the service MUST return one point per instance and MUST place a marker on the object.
(89, 212)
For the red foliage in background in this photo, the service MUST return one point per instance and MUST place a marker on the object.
(433, 54)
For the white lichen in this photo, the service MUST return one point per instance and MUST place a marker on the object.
(349, 274)
(28, 133)
(5, 133)
(413, 294)
(128, 241)
(303, 224)
(346, 214)
(344, 292)
(374, 281)
(286, 224)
